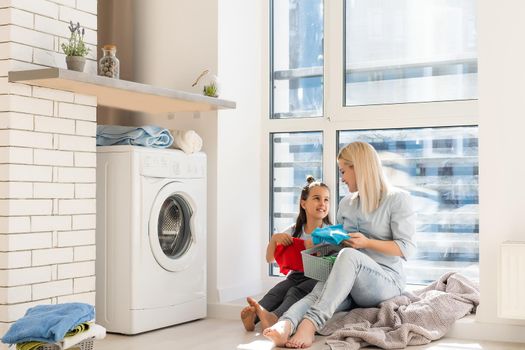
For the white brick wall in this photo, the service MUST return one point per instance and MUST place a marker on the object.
(16, 294)
(47, 163)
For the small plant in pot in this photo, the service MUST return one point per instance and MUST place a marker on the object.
(75, 49)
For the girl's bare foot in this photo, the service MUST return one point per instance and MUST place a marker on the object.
(267, 319)
(304, 337)
(248, 318)
(278, 333)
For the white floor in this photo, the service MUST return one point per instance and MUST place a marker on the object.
(218, 334)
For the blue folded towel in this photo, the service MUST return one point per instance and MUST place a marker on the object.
(147, 136)
(334, 234)
(48, 323)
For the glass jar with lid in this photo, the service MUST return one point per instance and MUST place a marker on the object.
(109, 65)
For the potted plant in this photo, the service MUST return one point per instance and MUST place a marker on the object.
(75, 49)
(209, 84)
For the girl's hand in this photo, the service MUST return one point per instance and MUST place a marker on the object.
(357, 240)
(282, 238)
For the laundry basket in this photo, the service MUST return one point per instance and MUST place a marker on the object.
(315, 264)
(86, 344)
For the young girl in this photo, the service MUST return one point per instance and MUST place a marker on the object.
(313, 212)
(380, 222)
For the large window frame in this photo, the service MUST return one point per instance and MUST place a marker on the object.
(338, 117)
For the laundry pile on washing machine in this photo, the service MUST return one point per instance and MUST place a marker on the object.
(149, 136)
(57, 326)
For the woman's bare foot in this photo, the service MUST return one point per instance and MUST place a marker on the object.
(267, 318)
(278, 333)
(248, 318)
(304, 337)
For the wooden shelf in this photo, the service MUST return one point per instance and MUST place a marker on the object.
(120, 94)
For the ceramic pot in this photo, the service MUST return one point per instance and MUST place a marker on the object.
(75, 63)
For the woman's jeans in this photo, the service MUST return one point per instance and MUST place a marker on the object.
(355, 277)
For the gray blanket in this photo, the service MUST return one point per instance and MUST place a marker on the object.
(409, 319)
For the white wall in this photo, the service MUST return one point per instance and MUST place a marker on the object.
(173, 41)
(239, 224)
(501, 108)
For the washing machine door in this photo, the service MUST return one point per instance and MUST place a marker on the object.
(171, 228)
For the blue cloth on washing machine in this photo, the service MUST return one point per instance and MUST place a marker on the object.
(48, 323)
(147, 136)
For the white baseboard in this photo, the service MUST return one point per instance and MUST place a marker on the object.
(469, 328)
(225, 311)
(239, 291)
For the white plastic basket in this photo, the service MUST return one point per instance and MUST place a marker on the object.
(86, 344)
(314, 265)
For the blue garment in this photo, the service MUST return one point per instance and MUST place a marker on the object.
(48, 323)
(334, 234)
(147, 136)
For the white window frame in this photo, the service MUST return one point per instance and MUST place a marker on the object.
(338, 117)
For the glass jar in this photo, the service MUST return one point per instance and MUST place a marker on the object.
(109, 65)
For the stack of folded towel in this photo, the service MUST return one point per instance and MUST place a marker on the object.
(147, 136)
(63, 324)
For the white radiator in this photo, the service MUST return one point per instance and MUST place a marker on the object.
(511, 291)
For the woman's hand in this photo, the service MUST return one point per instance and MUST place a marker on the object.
(357, 240)
(282, 238)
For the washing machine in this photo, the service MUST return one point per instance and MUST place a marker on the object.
(151, 238)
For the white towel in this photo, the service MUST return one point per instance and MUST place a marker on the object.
(187, 140)
(94, 330)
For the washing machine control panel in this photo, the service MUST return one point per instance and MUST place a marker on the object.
(169, 166)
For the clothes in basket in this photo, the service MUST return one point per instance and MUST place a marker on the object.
(319, 260)
(48, 323)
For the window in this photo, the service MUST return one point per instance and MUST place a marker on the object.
(297, 59)
(439, 167)
(400, 74)
(294, 156)
(401, 51)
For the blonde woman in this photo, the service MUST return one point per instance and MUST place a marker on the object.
(380, 222)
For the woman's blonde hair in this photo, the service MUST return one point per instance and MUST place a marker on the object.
(370, 178)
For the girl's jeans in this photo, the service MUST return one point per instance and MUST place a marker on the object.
(355, 277)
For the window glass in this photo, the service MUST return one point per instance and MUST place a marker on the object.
(294, 156)
(399, 51)
(297, 59)
(439, 167)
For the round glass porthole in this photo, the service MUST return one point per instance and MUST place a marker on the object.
(174, 231)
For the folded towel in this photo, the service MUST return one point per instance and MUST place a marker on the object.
(48, 323)
(187, 140)
(334, 234)
(29, 345)
(147, 136)
(78, 329)
(94, 330)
